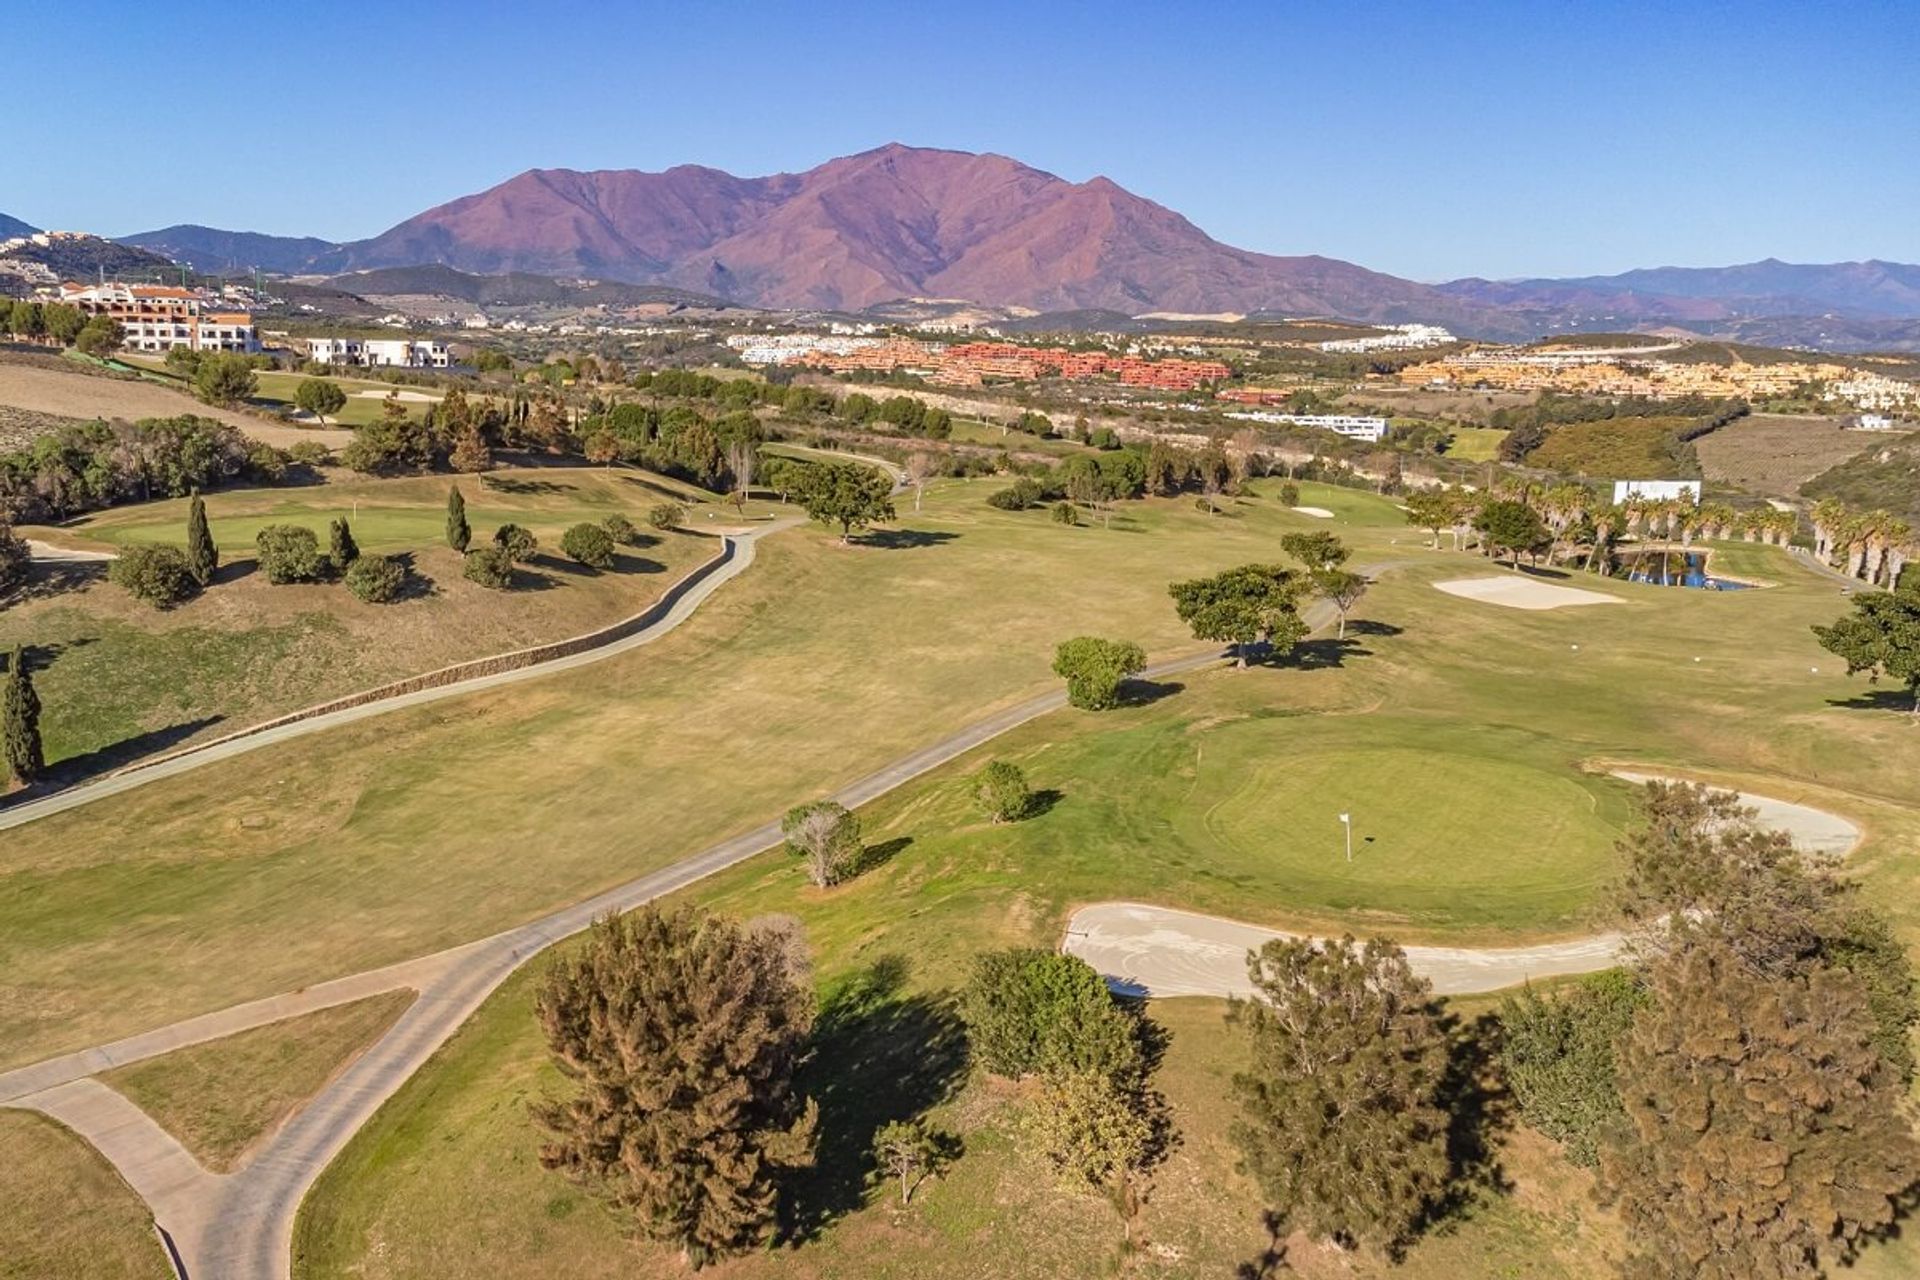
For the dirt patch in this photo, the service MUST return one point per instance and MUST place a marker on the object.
(49, 389)
(1773, 454)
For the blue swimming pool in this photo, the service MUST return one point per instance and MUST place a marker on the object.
(1674, 569)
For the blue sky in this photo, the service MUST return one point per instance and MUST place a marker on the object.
(1430, 140)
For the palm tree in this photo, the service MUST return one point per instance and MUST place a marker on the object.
(1827, 516)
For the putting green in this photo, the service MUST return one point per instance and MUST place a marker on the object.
(1449, 835)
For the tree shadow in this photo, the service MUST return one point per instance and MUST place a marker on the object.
(880, 1054)
(1324, 654)
(416, 585)
(874, 856)
(1479, 1114)
(1272, 1260)
(522, 485)
(1041, 802)
(905, 539)
(549, 563)
(1876, 700)
(234, 570)
(1142, 693)
(654, 486)
(46, 580)
(1542, 571)
(91, 764)
(1369, 627)
(623, 563)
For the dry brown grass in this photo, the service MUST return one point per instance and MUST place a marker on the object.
(65, 1212)
(220, 1099)
(46, 387)
(1773, 454)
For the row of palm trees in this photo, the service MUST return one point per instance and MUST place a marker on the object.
(1577, 516)
(1873, 546)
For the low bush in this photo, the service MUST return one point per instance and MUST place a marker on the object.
(517, 541)
(160, 576)
(1018, 496)
(376, 579)
(1065, 513)
(665, 515)
(590, 544)
(289, 553)
(490, 567)
(619, 528)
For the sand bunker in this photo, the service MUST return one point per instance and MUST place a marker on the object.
(408, 397)
(1814, 830)
(1516, 592)
(1318, 513)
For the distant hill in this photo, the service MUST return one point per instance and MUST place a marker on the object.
(1839, 306)
(896, 222)
(216, 252)
(11, 226)
(91, 257)
(516, 289)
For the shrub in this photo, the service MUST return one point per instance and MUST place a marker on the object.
(1557, 1057)
(14, 557)
(308, 453)
(289, 553)
(665, 515)
(342, 550)
(490, 567)
(160, 576)
(376, 579)
(1290, 494)
(224, 379)
(1018, 496)
(517, 541)
(590, 544)
(1001, 791)
(1030, 1010)
(619, 528)
(1065, 513)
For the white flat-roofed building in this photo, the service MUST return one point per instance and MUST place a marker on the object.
(1352, 426)
(400, 353)
(1657, 490)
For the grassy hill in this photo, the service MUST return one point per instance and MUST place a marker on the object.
(1618, 448)
(1886, 476)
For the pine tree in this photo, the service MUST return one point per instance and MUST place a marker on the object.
(1765, 1136)
(342, 549)
(202, 556)
(682, 1033)
(459, 533)
(1340, 1118)
(20, 721)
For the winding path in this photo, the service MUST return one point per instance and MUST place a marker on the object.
(1160, 951)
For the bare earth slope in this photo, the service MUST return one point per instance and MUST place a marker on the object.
(889, 223)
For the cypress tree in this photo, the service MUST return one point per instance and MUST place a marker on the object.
(20, 721)
(459, 533)
(681, 1033)
(202, 556)
(343, 550)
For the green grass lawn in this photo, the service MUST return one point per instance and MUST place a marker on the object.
(66, 1212)
(117, 677)
(835, 660)
(1476, 444)
(276, 390)
(218, 1098)
(1464, 736)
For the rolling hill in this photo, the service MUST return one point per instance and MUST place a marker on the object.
(11, 226)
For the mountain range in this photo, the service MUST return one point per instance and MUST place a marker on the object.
(907, 222)
(11, 227)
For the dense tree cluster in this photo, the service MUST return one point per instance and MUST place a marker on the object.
(1254, 608)
(1095, 668)
(98, 464)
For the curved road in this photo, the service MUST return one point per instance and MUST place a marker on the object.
(240, 1226)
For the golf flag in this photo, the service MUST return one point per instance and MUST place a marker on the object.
(1346, 817)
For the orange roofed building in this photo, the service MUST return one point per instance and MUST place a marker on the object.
(157, 317)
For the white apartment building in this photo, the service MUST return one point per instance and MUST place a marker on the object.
(1352, 426)
(400, 353)
(1399, 337)
(161, 317)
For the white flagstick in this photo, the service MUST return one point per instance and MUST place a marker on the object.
(1346, 820)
